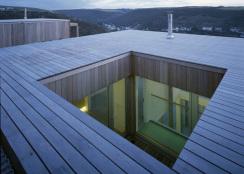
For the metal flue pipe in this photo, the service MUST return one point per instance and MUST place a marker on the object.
(170, 26)
(25, 15)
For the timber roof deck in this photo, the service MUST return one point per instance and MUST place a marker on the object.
(48, 134)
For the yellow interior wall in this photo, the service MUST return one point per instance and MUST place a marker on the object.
(119, 105)
(154, 107)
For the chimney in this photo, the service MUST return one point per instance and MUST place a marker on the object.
(170, 26)
(25, 17)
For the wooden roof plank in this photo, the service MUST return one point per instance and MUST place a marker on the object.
(73, 137)
(227, 109)
(70, 155)
(54, 162)
(136, 154)
(131, 150)
(24, 153)
(226, 126)
(200, 163)
(222, 132)
(229, 100)
(103, 145)
(213, 158)
(221, 112)
(218, 149)
(65, 55)
(226, 119)
(220, 140)
(182, 167)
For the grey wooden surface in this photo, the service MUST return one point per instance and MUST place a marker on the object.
(20, 31)
(41, 120)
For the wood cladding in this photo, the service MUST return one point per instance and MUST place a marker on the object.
(88, 80)
(199, 79)
(14, 32)
(75, 85)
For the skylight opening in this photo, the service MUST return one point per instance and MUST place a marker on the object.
(153, 102)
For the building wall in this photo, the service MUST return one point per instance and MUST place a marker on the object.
(84, 82)
(196, 78)
(14, 32)
(75, 85)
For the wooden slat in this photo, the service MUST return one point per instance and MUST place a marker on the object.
(130, 150)
(21, 152)
(224, 125)
(221, 131)
(225, 119)
(103, 145)
(220, 111)
(68, 153)
(225, 142)
(64, 130)
(221, 126)
(182, 167)
(199, 163)
(54, 162)
(102, 75)
(218, 149)
(186, 76)
(214, 158)
(29, 31)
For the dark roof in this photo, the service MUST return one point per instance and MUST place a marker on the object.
(66, 140)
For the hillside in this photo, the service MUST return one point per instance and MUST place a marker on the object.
(86, 28)
(187, 16)
(228, 21)
(94, 15)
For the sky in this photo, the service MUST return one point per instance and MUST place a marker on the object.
(112, 4)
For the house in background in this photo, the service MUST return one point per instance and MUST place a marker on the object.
(207, 28)
(24, 31)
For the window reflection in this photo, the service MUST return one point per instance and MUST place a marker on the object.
(98, 106)
(107, 105)
(165, 115)
(168, 106)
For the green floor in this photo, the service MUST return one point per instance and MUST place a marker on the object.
(169, 140)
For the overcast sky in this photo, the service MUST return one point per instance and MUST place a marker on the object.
(110, 4)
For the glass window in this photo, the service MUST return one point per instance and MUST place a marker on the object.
(107, 106)
(118, 106)
(169, 106)
(165, 115)
(83, 104)
(155, 107)
(98, 106)
(160, 109)
(155, 102)
(181, 111)
(202, 104)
